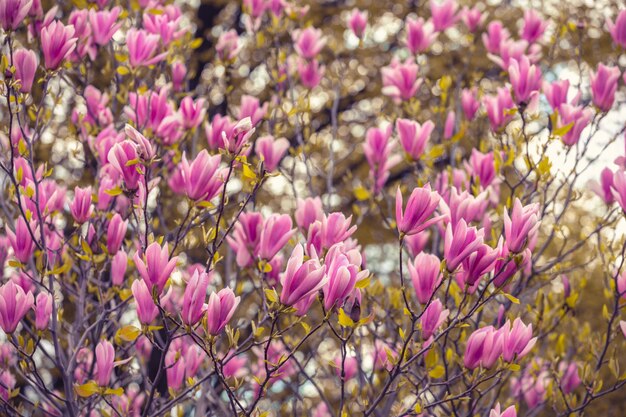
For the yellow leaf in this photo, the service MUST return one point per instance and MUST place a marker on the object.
(271, 295)
(195, 44)
(364, 283)
(344, 319)
(437, 151)
(514, 367)
(86, 390)
(123, 70)
(544, 166)
(248, 173)
(417, 408)
(114, 191)
(125, 294)
(114, 391)
(562, 131)
(361, 194)
(437, 372)
(511, 298)
(86, 248)
(128, 333)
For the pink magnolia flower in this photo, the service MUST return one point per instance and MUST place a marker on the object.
(603, 86)
(420, 206)
(255, 8)
(350, 367)
(311, 73)
(201, 178)
(193, 300)
(510, 50)
(85, 46)
(119, 263)
(400, 81)
(57, 43)
(414, 136)
(618, 29)
(378, 149)
(622, 326)
(234, 366)
(275, 233)
(142, 48)
(460, 241)
(417, 242)
(43, 310)
(103, 24)
(476, 264)
(604, 188)
(227, 45)
(81, 207)
(192, 112)
(214, 130)
(498, 108)
(238, 139)
(179, 73)
(444, 14)
(13, 12)
(484, 347)
(473, 18)
(464, 206)
(116, 230)
(518, 341)
(271, 151)
(525, 79)
(556, 93)
(246, 237)
(25, 62)
(357, 22)
(448, 128)
(308, 211)
(251, 107)
(469, 103)
(419, 35)
(124, 158)
(105, 357)
(145, 151)
(495, 36)
(157, 267)
(165, 25)
(570, 379)
(14, 304)
(425, 272)
(147, 311)
(21, 240)
(335, 228)
(220, 310)
(301, 279)
(7, 383)
(175, 369)
(533, 26)
(509, 412)
(483, 167)
(577, 118)
(521, 226)
(432, 318)
(308, 42)
(618, 188)
(342, 277)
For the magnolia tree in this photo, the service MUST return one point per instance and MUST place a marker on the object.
(334, 209)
